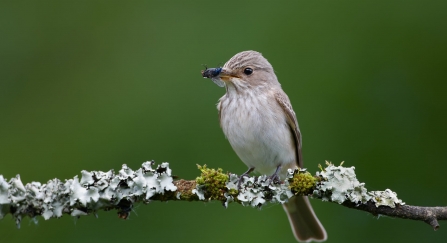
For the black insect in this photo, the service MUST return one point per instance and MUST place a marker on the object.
(211, 72)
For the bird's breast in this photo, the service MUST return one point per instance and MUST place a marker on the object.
(257, 130)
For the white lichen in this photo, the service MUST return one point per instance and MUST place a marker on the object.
(257, 191)
(95, 190)
(340, 184)
(199, 191)
(385, 198)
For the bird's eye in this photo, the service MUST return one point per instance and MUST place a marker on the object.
(248, 71)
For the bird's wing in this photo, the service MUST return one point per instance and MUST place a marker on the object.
(284, 103)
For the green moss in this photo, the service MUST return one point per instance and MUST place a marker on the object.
(302, 183)
(213, 181)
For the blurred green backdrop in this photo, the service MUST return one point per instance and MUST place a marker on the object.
(90, 85)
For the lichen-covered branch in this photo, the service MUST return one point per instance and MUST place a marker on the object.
(98, 190)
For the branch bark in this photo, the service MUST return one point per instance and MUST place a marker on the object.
(429, 215)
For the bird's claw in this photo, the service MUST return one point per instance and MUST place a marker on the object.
(239, 182)
(241, 178)
(274, 179)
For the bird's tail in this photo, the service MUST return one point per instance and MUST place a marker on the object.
(305, 225)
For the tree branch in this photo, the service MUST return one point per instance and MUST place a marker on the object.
(98, 190)
(429, 215)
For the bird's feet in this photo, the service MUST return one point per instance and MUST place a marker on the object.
(275, 178)
(241, 178)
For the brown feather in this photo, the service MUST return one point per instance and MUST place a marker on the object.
(284, 102)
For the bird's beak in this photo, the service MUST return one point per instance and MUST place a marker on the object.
(219, 76)
(227, 74)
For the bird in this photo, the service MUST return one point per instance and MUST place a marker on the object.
(258, 120)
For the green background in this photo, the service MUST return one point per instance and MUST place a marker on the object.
(96, 84)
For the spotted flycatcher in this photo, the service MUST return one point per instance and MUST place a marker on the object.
(257, 118)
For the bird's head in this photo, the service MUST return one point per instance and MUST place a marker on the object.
(245, 69)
